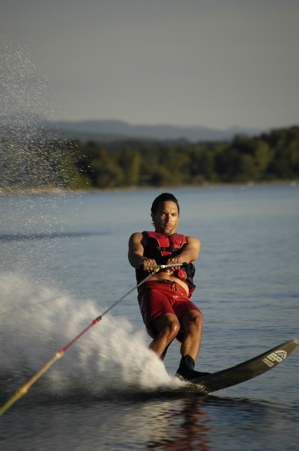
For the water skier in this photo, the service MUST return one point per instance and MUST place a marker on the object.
(164, 299)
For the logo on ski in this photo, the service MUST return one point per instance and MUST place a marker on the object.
(275, 357)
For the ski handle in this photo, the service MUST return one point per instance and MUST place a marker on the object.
(158, 267)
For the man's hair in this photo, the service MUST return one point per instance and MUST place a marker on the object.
(164, 197)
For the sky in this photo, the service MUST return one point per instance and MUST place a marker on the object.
(213, 63)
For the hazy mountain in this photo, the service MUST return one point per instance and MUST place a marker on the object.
(119, 130)
(98, 130)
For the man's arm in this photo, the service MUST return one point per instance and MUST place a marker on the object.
(136, 253)
(189, 252)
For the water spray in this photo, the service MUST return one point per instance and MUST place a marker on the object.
(24, 389)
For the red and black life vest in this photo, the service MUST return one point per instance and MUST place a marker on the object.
(161, 247)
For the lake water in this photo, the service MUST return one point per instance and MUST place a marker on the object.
(64, 262)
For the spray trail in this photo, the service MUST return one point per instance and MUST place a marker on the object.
(109, 356)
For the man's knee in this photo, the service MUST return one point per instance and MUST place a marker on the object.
(164, 326)
(194, 322)
(198, 320)
(172, 328)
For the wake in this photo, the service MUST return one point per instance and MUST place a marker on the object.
(37, 321)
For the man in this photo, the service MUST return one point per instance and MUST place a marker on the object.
(164, 299)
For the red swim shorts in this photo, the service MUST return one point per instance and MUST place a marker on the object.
(156, 298)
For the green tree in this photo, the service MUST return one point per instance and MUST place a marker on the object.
(263, 157)
(130, 162)
(202, 165)
(176, 163)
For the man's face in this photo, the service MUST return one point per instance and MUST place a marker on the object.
(166, 218)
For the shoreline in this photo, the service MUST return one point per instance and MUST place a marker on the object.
(62, 191)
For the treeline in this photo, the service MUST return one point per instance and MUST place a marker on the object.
(269, 157)
(75, 165)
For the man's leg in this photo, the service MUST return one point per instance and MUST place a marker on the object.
(192, 324)
(163, 329)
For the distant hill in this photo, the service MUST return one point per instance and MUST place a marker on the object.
(112, 130)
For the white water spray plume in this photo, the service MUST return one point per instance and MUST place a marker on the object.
(36, 321)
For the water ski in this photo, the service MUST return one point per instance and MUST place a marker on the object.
(246, 370)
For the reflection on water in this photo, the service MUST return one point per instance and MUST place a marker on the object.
(181, 426)
(183, 422)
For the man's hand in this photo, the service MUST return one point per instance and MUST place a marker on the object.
(173, 261)
(148, 264)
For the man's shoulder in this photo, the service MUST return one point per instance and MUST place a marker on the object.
(192, 238)
(188, 237)
(138, 237)
(193, 241)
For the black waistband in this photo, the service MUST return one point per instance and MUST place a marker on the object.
(164, 281)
